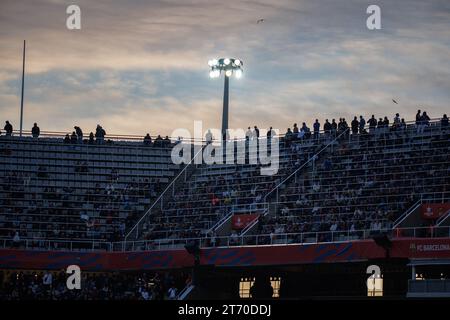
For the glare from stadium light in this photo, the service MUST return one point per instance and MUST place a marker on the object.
(226, 61)
(212, 74)
(237, 62)
(238, 73)
(228, 73)
(212, 62)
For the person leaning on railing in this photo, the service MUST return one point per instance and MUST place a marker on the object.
(8, 128)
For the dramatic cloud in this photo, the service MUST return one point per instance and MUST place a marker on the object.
(140, 66)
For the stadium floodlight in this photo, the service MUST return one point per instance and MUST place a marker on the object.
(229, 67)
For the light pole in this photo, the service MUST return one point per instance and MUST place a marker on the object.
(228, 67)
(23, 84)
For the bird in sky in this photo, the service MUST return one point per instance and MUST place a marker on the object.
(394, 101)
(260, 21)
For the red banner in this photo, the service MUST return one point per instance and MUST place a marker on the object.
(240, 221)
(434, 210)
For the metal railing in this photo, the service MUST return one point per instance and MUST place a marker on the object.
(424, 198)
(229, 241)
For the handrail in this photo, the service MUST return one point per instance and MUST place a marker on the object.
(442, 218)
(416, 205)
(177, 243)
(230, 214)
(407, 212)
(286, 238)
(164, 192)
(254, 222)
(134, 137)
(186, 291)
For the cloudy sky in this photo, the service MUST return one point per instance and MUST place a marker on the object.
(140, 66)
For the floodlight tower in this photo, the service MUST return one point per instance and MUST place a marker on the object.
(229, 67)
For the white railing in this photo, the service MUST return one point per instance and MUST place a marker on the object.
(229, 241)
(236, 209)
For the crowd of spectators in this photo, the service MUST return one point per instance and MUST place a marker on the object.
(365, 184)
(213, 192)
(67, 213)
(51, 285)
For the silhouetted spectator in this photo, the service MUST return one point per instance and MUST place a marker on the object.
(372, 124)
(35, 131)
(295, 130)
(424, 121)
(158, 141)
(362, 124)
(327, 127)
(402, 124)
(270, 133)
(306, 130)
(380, 125)
(262, 289)
(256, 132)
(8, 129)
(100, 134)
(288, 137)
(345, 127)
(147, 140)
(418, 116)
(166, 142)
(79, 133)
(91, 138)
(355, 125)
(397, 120)
(209, 137)
(67, 138)
(386, 125)
(73, 138)
(249, 134)
(316, 128)
(334, 127)
(444, 121)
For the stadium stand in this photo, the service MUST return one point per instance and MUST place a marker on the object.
(340, 184)
(51, 285)
(54, 190)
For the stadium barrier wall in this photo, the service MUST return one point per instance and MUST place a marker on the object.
(436, 248)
